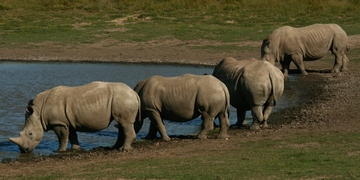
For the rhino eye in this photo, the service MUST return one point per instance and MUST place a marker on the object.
(30, 134)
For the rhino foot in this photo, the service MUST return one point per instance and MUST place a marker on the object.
(166, 138)
(264, 125)
(344, 69)
(304, 73)
(201, 137)
(125, 148)
(255, 126)
(334, 71)
(75, 147)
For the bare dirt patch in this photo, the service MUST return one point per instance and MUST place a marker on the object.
(134, 17)
(110, 50)
(157, 51)
(326, 101)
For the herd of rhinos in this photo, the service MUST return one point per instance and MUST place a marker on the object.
(249, 84)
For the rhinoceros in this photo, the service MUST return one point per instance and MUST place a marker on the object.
(184, 98)
(252, 84)
(313, 42)
(87, 108)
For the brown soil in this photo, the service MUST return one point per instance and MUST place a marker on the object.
(326, 101)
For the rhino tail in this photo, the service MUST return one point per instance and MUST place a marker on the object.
(139, 120)
(227, 97)
(274, 88)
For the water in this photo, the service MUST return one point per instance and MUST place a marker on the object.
(22, 81)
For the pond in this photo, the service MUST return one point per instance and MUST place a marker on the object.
(22, 81)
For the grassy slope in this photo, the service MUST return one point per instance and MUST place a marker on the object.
(88, 21)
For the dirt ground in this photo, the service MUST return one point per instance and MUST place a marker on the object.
(326, 102)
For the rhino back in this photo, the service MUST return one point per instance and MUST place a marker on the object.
(261, 83)
(312, 41)
(177, 98)
(85, 108)
(229, 72)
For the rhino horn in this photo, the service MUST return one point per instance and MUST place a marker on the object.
(15, 140)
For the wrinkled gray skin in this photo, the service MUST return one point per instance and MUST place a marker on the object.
(313, 42)
(85, 108)
(184, 98)
(253, 85)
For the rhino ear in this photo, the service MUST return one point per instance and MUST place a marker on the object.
(31, 102)
(264, 47)
(264, 41)
(29, 109)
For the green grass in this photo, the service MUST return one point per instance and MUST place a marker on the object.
(89, 21)
(327, 155)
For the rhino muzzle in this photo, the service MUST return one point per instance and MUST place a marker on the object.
(22, 149)
(26, 150)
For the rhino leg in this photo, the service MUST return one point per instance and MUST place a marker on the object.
(207, 125)
(257, 117)
(126, 135)
(341, 61)
(62, 132)
(152, 131)
(74, 140)
(240, 113)
(299, 62)
(267, 111)
(345, 61)
(338, 63)
(285, 65)
(156, 119)
(224, 125)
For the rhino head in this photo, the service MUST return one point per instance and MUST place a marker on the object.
(268, 53)
(32, 133)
